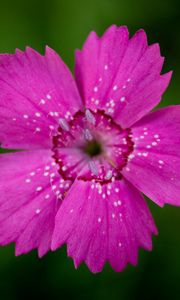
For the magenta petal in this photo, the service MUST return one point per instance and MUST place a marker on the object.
(154, 165)
(120, 75)
(89, 62)
(35, 93)
(103, 223)
(28, 201)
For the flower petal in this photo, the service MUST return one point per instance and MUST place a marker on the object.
(120, 75)
(29, 199)
(154, 165)
(35, 92)
(103, 223)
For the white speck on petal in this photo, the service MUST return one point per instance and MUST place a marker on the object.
(37, 114)
(42, 101)
(64, 168)
(32, 173)
(39, 188)
(122, 99)
(28, 180)
(131, 156)
(38, 211)
(37, 129)
(115, 87)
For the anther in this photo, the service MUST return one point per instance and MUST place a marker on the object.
(89, 116)
(87, 134)
(93, 168)
(64, 124)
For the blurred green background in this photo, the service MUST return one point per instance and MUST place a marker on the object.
(64, 25)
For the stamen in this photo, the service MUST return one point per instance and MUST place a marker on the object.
(89, 116)
(93, 168)
(87, 134)
(64, 124)
(108, 175)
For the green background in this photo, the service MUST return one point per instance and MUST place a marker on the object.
(64, 25)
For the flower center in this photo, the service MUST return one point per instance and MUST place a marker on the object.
(91, 146)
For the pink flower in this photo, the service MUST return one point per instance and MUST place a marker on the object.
(90, 148)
